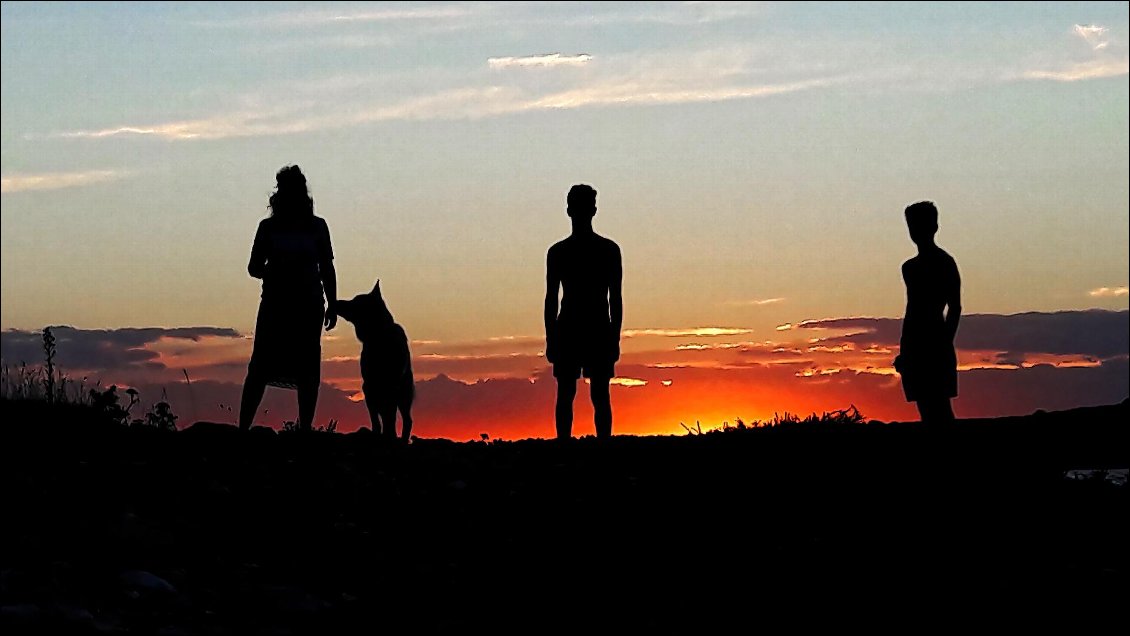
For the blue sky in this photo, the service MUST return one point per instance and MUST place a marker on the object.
(743, 152)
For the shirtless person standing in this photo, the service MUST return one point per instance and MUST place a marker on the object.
(584, 338)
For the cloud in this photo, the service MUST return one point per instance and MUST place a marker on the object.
(1095, 332)
(102, 349)
(55, 180)
(698, 346)
(705, 332)
(1104, 60)
(249, 124)
(1093, 69)
(339, 41)
(756, 302)
(1092, 34)
(320, 18)
(671, 14)
(475, 367)
(544, 60)
(651, 84)
(1109, 292)
(523, 407)
(1010, 364)
(618, 381)
(643, 93)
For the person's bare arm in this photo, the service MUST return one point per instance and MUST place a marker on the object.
(953, 304)
(329, 283)
(899, 362)
(552, 284)
(616, 301)
(344, 309)
(329, 279)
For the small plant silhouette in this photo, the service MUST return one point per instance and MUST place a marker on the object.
(105, 404)
(49, 355)
(161, 416)
(290, 426)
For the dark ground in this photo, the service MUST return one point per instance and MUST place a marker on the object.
(207, 531)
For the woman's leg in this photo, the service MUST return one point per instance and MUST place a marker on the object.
(308, 388)
(307, 404)
(253, 388)
(388, 420)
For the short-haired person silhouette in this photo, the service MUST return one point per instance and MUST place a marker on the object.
(293, 256)
(927, 360)
(584, 338)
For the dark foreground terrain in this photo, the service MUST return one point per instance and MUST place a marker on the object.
(209, 531)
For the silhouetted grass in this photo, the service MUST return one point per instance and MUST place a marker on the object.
(44, 382)
(211, 531)
(49, 385)
(843, 417)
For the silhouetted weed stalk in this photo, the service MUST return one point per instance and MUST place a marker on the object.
(842, 417)
(290, 426)
(49, 384)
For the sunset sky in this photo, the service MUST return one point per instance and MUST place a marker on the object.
(752, 161)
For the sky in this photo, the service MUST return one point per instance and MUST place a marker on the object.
(752, 161)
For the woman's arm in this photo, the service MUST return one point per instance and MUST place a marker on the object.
(329, 283)
(257, 266)
(329, 276)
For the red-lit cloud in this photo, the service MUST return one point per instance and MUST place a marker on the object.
(502, 386)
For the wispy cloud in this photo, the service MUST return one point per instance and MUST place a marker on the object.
(755, 302)
(1109, 292)
(628, 382)
(55, 180)
(461, 103)
(640, 93)
(1093, 69)
(705, 332)
(544, 60)
(1106, 60)
(1092, 34)
(698, 346)
(318, 18)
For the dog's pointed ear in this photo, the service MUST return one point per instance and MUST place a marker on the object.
(377, 288)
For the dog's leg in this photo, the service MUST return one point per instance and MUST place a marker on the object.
(406, 420)
(407, 395)
(374, 412)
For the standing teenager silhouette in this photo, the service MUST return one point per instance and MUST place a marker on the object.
(927, 360)
(293, 256)
(584, 338)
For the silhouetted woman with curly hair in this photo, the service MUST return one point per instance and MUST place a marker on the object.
(293, 256)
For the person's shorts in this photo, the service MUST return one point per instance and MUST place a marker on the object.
(584, 352)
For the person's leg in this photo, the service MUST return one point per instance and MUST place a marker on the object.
(935, 411)
(566, 391)
(253, 389)
(601, 406)
(924, 413)
(945, 411)
(388, 421)
(310, 379)
(307, 404)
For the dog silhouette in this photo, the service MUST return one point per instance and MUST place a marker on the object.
(386, 363)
